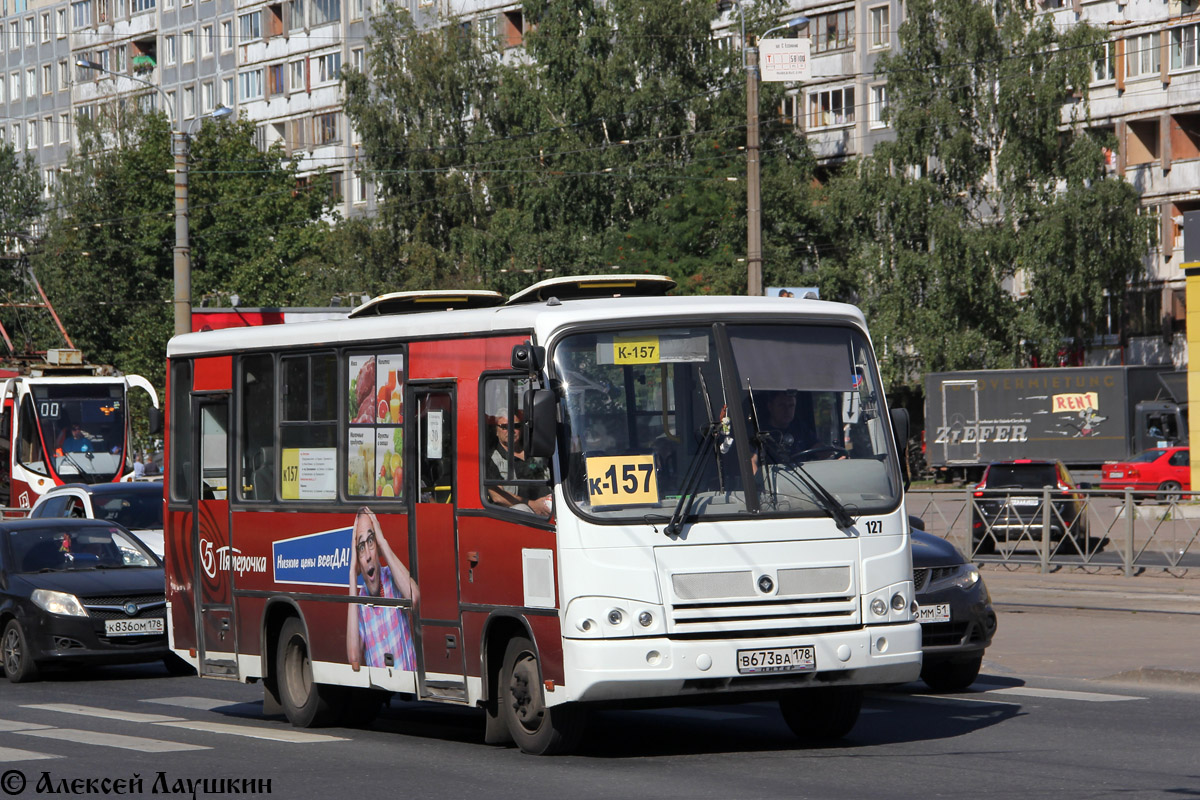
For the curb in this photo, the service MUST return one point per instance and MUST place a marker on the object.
(1158, 676)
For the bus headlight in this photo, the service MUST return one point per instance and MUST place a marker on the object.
(878, 607)
(898, 602)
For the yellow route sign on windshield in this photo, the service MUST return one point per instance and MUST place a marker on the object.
(636, 350)
(621, 480)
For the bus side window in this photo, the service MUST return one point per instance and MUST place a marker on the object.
(509, 478)
(256, 403)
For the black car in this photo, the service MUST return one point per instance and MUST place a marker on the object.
(137, 505)
(1008, 505)
(77, 591)
(955, 612)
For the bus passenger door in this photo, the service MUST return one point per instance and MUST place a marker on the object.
(216, 637)
(441, 667)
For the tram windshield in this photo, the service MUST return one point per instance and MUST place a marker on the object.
(83, 428)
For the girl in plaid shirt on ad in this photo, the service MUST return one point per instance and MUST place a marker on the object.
(375, 632)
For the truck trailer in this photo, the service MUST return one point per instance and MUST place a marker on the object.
(1082, 416)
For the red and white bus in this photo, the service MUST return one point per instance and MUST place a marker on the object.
(589, 494)
(62, 423)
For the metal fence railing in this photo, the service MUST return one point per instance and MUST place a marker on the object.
(1130, 532)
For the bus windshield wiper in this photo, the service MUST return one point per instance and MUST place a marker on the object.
(824, 499)
(691, 482)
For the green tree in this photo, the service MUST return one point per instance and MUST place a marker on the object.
(609, 142)
(988, 230)
(107, 256)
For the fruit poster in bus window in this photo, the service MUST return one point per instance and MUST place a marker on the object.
(360, 462)
(388, 398)
(362, 389)
(374, 463)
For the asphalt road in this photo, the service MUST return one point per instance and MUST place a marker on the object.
(1023, 731)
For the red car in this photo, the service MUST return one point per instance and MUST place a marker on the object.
(1166, 470)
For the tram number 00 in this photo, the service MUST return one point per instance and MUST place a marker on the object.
(48, 410)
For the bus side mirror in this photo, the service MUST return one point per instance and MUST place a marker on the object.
(156, 420)
(528, 357)
(541, 418)
(900, 431)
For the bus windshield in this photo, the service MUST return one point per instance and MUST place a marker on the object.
(83, 426)
(654, 415)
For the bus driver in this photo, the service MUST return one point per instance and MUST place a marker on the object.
(374, 632)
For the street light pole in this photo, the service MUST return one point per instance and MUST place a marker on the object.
(181, 254)
(754, 259)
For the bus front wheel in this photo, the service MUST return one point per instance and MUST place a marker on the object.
(536, 728)
(823, 715)
(306, 704)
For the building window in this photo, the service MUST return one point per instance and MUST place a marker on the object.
(833, 31)
(189, 102)
(356, 59)
(138, 6)
(31, 82)
(64, 128)
(250, 84)
(172, 102)
(64, 76)
(360, 188)
(298, 82)
(831, 107)
(878, 106)
(81, 14)
(1141, 55)
(1183, 47)
(356, 9)
(45, 18)
(329, 67)
(881, 29)
(208, 96)
(14, 87)
(226, 35)
(30, 32)
(60, 18)
(119, 54)
(249, 27)
(31, 135)
(208, 41)
(47, 131)
(1104, 68)
(275, 80)
(296, 15)
(47, 78)
(325, 128)
(14, 35)
(227, 92)
(189, 46)
(326, 11)
(170, 56)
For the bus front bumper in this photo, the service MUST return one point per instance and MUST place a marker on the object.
(599, 670)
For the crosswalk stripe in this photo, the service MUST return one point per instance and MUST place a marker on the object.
(197, 703)
(1056, 694)
(7, 725)
(10, 754)
(104, 713)
(274, 734)
(105, 739)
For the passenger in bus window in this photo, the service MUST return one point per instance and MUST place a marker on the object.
(375, 632)
(507, 448)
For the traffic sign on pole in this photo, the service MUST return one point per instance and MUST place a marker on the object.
(785, 59)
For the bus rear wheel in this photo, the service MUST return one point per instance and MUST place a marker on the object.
(306, 704)
(821, 716)
(536, 728)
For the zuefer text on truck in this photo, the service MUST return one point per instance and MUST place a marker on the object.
(1082, 416)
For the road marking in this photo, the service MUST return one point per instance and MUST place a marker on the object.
(10, 754)
(1056, 694)
(7, 725)
(197, 703)
(277, 735)
(104, 739)
(103, 713)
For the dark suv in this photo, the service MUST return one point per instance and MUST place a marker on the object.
(1008, 506)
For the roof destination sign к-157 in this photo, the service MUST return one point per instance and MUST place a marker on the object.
(784, 59)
